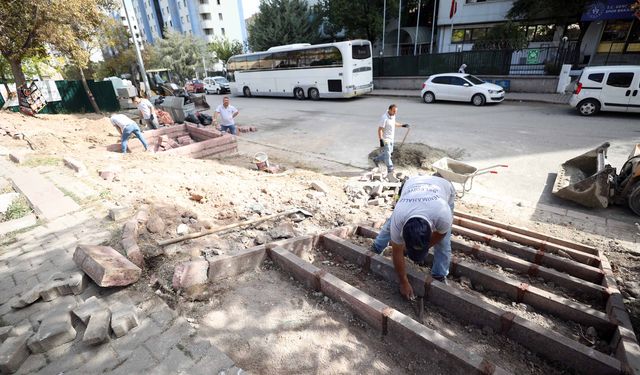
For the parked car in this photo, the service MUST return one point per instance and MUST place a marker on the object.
(217, 84)
(194, 85)
(460, 87)
(607, 88)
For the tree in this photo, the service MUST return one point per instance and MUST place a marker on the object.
(28, 27)
(360, 19)
(225, 48)
(561, 12)
(505, 36)
(283, 22)
(182, 53)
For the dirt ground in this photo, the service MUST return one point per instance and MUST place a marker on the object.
(266, 328)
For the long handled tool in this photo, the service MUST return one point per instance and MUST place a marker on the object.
(235, 225)
(405, 137)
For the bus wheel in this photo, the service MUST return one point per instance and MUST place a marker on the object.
(314, 94)
(246, 91)
(298, 93)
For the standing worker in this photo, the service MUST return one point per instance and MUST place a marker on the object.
(126, 127)
(462, 68)
(386, 133)
(227, 114)
(421, 219)
(147, 111)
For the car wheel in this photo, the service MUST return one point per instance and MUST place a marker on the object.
(314, 94)
(217, 91)
(478, 100)
(246, 91)
(298, 93)
(634, 199)
(429, 97)
(588, 107)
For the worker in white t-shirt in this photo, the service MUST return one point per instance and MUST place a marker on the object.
(386, 134)
(126, 127)
(421, 219)
(227, 114)
(147, 111)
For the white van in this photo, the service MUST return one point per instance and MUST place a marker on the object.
(217, 84)
(607, 88)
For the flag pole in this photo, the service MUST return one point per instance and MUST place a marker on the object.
(415, 42)
(399, 17)
(433, 25)
(384, 23)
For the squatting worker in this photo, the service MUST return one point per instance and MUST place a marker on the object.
(227, 114)
(126, 127)
(386, 133)
(147, 111)
(421, 219)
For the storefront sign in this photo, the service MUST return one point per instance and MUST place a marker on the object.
(533, 56)
(608, 10)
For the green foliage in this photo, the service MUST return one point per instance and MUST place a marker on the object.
(27, 27)
(560, 11)
(359, 19)
(224, 48)
(283, 22)
(17, 209)
(183, 54)
(503, 36)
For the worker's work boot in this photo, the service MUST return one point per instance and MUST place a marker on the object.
(442, 279)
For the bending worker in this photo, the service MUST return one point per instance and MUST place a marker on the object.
(421, 219)
(147, 111)
(126, 127)
(386, 134)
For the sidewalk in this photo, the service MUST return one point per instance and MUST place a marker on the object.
(510, 96)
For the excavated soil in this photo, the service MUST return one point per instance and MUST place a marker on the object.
(418, 155)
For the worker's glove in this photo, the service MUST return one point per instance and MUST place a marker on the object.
(406, 126)
(381, 143)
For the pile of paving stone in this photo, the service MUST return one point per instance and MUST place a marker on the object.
(372, 189)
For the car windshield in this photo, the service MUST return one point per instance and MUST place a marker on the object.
(473, 79)
(195, 81)
(221, 80)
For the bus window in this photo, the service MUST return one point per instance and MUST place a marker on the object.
(253, 62)
(361, 52)
(266, 61)
(327, 56)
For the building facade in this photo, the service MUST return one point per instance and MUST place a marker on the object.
(203, 18)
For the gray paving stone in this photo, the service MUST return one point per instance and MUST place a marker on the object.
(136, 363)
(128, 343)
(13, 352)
(164, 316)
(97, 330)
(32, 365)
(175, 362)
(170, 338)
(212, 363)
(5, 332)
(123, 319)
(63, 359)
(56, 329)
(100, 361)
(87, 308)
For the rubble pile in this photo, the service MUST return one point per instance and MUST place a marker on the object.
(372, 189)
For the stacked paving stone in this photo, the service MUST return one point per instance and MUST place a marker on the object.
(371, 189)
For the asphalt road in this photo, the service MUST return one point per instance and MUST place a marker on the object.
(532, 138)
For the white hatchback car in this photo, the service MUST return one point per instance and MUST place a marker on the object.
(460, 87)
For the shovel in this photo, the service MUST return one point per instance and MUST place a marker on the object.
(405, 137)
(235, 225)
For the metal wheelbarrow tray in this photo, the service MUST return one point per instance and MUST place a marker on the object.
(461, 173)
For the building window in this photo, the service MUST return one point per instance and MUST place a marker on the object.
(540, 33)
(222, 31)
(218, 2)
(184, 3)
(188, 20)
(208, 31)
(468, 35)
(572, 32)
(204, 1)
(620, 36)
(205, 16)
(220, 16)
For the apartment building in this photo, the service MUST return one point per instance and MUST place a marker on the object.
(204, 18)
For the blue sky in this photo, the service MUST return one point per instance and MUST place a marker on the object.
(250, 7)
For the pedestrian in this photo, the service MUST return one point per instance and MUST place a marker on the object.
(462, 68)
(227, 114)
(147, 111)
(421, 219)
(126, 127)
(386, 133)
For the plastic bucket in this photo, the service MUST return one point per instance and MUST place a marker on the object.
(262, 161)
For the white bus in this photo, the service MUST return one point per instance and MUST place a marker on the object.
(331, 70)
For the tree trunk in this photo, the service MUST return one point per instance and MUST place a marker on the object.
(16, 69)
(92, 100)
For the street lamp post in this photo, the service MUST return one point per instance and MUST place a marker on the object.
(143, 72)
(399, 17)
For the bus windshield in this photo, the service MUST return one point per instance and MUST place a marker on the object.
(361, 52)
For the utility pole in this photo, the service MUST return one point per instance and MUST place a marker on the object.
(384, 23)
(138, 54)
(399, 17)
(433, 24)
(415, 41)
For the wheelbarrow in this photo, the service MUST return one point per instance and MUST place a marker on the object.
(461, 173)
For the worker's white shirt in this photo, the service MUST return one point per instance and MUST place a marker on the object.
(146, 108)
(121, 121)
(226, 114)
(389, 124)
(426, 197)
